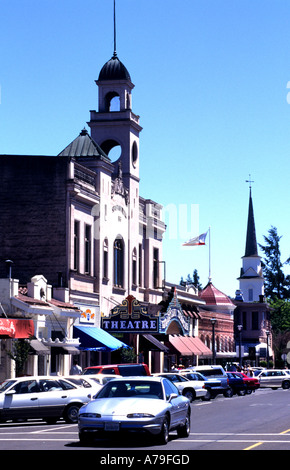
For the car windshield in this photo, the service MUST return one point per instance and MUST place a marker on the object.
(5, 385)
(131, 388)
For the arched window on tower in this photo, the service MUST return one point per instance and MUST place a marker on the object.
(112, 101)
(118, 263)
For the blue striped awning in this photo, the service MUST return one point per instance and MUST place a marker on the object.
(95, 339)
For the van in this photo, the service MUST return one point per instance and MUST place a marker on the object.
(125, 370)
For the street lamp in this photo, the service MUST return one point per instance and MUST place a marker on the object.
(213, 322)
(240, 327)
(268, 334)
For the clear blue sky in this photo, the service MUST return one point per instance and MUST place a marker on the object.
(211, 84)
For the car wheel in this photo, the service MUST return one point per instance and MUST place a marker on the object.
(228, 393)
(86, 438)
(242, 393)
(286, 385)
(71, 413)
(207, 397)
(184, 431)
(50, 420)
(164, 433)
(189, 393)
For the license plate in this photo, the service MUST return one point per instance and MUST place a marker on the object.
(112, 426)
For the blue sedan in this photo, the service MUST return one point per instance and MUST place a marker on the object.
(149, 405)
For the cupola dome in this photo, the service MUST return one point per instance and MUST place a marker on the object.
(114, 69)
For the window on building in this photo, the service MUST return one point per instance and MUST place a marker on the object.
(118, 263)
(140, 266)
(134, 267)
(155, 267)
(105, 259)
(76, 263)
(251, 296)
(244, 320)
(255, 320)
(88, 248)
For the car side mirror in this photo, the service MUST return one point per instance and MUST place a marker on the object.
(172, 396)
(10, 392)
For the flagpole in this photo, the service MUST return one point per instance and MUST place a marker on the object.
(209, 260)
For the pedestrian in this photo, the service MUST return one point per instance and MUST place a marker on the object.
(76, 369)
(249, 372)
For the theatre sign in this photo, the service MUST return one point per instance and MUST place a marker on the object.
(130, 317)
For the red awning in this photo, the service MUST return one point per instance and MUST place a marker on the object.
(189, 345)
(16, 328)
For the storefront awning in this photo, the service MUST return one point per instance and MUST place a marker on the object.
(157, 344)
(70, 350)
(95, 339)
(16, 328)
(189, 345)
(39, 348)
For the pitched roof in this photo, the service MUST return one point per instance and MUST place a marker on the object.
(84, 146)
(212, 296)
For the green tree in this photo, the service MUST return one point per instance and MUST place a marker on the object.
(19, 354)
(280, 315)
(191, 280)
(277, 285)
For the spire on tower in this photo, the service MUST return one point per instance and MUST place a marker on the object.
(115, 38)
(251, 241)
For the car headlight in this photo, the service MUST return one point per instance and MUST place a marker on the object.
(90, 415)
(140, 415)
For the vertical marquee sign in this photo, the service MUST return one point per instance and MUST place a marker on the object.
(130, 317)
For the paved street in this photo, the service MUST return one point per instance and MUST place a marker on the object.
(260, 421)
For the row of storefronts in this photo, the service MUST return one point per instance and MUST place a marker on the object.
(59, 332)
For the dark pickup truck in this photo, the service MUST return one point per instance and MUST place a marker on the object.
(216, 372)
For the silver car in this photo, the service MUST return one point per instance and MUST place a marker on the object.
(274, 378)
(139, 404)
(48, 398)
(191, 389)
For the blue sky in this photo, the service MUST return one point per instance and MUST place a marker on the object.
(211, 88)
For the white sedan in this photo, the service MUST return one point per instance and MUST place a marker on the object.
(136, 404)
(48, 398)
(85, 382)
(191, 389)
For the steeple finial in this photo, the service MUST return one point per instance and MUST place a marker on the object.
(250, 182)
(115, 47)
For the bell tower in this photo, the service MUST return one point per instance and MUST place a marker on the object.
(114, 124)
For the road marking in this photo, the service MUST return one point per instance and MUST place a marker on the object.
(285, 432)
(254, 445)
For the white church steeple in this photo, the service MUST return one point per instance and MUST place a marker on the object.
(251, 279)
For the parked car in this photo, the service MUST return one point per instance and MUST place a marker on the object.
(119, 369)
(102, 379)
(48, 398)
(217, 372)
(211, 384)
(191, 389)
(252, 383)
(274, 378)
(86, 382)
(138, 404)
(236, 383)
